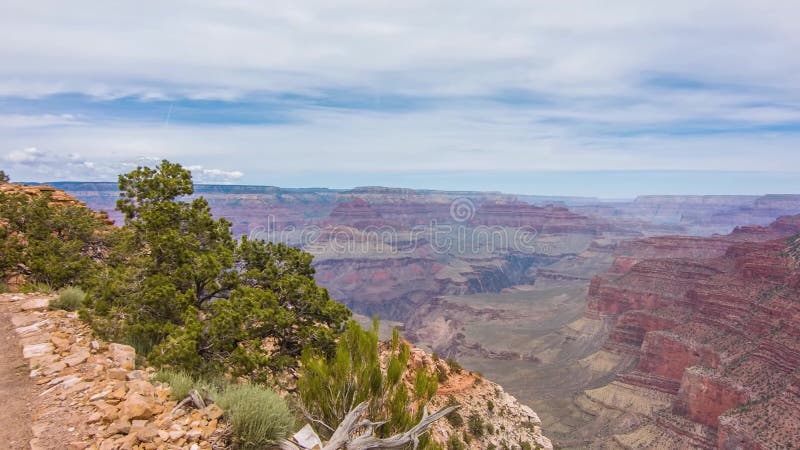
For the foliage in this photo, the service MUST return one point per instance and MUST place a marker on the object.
(455, 419)
(330, 387)
(454, 443)
(47, 244)
(475, 425)
(42, 288)
(454, 365)
(178, 287)
(3, 177)
(257, 416)
(180, 383)
(69, 299)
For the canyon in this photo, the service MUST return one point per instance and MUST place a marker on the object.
(657, 321)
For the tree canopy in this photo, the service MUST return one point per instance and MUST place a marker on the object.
(181, 289)
(51, 245)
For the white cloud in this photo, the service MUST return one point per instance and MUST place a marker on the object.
(231, 48)
(605, 81)
(33, 164)
(204, 175)
(15, 121)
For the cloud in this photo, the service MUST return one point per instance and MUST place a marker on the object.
(204, 175)
(232, 49)
(33, 164)
(370, 87)
(16, 121)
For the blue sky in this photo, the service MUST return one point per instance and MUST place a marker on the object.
(598, 98)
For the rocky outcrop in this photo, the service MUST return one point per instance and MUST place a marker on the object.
(715, 325)
(95, 395)
(91, 395)
(57, 196)
(502, 420)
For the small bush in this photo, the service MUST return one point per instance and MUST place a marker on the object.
(4, 288)
(441, 374)
(455, 419)
(454, 443)
(454, 365)
(525, 445)
(180, 384)
(257, 416)
(475, 425)
(69, 299)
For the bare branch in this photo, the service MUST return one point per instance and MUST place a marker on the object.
(342, 439)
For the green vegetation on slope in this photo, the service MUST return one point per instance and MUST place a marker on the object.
(331, 387)
(178, 287)
(175, 284)
(55, 246)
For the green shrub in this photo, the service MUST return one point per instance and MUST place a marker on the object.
(490, 405)
(177, 286)
(454, 365)
(70, 299)
(4, 288)
(455, 419)
(56, 245)
(475, 425)
(441, 374)
(454, 443)
(525, 445)
(180, 384)
(257, 416)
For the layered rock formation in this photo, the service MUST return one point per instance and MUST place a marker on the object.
(714, 324)
(57, 197)
(696, 214)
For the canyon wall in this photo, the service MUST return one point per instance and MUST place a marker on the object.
(714, 325)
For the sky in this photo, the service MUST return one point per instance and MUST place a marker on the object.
(594, 98)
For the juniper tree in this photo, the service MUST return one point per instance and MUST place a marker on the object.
(48, 244)
(179, 287)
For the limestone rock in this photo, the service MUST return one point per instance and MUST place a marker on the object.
(37, 350)
(137, 407)
(123, 355)
(35, 304)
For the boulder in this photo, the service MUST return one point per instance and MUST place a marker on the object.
(123, 355)
(36, 304)
(37, 350)
(137, 407)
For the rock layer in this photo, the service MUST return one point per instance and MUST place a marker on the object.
(715, 325)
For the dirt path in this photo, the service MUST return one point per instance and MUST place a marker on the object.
(16, 388)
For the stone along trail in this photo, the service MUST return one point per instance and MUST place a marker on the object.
(68, 391)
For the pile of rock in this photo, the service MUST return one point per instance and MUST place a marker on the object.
(92, 396)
